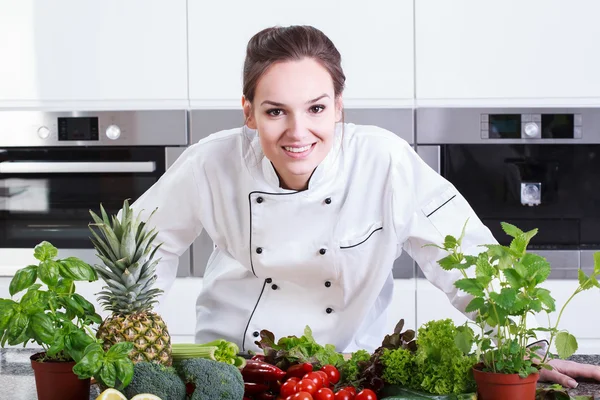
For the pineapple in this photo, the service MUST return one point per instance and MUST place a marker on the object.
(125, 248)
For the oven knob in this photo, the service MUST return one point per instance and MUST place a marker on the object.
(43, 132)
(113, 132)
(531, 129)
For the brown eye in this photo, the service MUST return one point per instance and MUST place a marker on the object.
(317, 109)
(275, 112)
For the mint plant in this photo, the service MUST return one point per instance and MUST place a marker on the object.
(59, 320)
(506, 289)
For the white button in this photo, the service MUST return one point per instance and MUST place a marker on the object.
(43, 132)
(113, 132)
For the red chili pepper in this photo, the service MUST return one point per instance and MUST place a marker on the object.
(299, 370)
(258, 357)
(250, 389)
(260, 372)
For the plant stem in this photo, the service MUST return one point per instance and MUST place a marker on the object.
(553, 334)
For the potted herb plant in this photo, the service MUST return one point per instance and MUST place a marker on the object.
(52, 315)
(506, 286)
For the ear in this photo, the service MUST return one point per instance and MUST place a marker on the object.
(339, 107)
(248, 113)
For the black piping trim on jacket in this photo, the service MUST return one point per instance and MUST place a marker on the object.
(358, 244)
(447, 201)
(250, 234)
(252, 314)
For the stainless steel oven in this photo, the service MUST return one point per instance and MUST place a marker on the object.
(205, 122)
(532, 167)
(56, 166)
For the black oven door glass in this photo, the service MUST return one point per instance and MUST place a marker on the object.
(555, 188)
(40, 199)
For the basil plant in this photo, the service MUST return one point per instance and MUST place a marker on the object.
(50, 314)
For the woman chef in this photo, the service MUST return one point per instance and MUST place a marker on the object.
(308, 213)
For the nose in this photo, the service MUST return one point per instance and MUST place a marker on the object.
(297, 128)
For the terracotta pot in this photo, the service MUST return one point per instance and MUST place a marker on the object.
(495, 386)
(55, 380)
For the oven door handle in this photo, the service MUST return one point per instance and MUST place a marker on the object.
(75, 167)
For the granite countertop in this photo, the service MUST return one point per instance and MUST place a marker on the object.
(17, 381)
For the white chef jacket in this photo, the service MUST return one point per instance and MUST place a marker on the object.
(321, 257)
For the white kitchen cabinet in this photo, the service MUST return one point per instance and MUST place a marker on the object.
(374, 39)
(538, 52)
(107, 54)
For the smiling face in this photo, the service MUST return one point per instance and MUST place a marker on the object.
(294, 111)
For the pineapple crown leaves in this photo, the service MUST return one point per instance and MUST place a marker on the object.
(125, 248)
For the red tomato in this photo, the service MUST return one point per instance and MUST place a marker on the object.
(332, 372)
(366, 394)
(307, 385)
(324, 394)
(351, 390)
(293, 379)
(342, 395)
(316, 378)
(324, 376)
(288, 388)
(301, 396)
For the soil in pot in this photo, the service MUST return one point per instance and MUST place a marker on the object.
(494, 386)
(55, 380)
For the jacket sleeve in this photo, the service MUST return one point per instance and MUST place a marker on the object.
(176, 198)
(427, 208)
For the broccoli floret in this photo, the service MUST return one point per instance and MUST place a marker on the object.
(155, 379)
(213, 380)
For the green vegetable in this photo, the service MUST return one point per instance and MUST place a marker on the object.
(156, 379)
(401, 393)
(293, 350)
(59, 320)
(351, 368)
(506, 288)
(212, 379)
(439, 366)
(218, 350)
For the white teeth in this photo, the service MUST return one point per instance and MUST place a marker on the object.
(297, 149)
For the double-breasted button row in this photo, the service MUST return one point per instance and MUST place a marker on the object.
(260, 199)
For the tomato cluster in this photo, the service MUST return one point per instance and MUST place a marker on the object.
(302, 383)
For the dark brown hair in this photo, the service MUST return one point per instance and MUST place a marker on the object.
(278, 44)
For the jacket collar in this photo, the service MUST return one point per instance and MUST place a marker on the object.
(325, 172)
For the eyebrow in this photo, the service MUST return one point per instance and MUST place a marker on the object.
(276, 104)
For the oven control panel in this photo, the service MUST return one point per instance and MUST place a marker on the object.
(531, 126)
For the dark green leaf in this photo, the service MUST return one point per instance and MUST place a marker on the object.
(566, 344)
(72, 305)
(108, 374)
(505, 299)
(7, 309)
(33, 302)
(471, 286)
(119, 350)
(95, 318)
(85, 305)
(497, 316)
(521, 302)
(57, 346)
(48, 272)
(546, 298)
(76, 342)
(450, 262)
(450, 242)
(510, 229)
(90, 362)
(64, 286)
(513, 278)
(43, 328)
(475, 304)
(45, 251)
(23, 278)
(77, 270)
(17, 329)
(124, 369)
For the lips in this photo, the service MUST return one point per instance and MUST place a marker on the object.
(299, 152)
